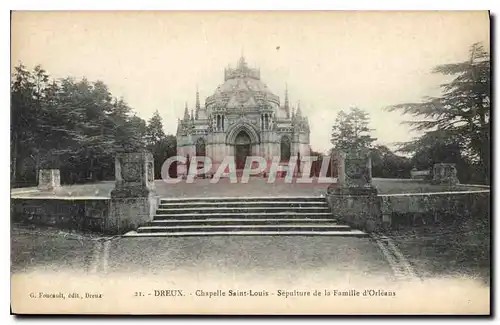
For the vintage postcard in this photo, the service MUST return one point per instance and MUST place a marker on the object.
(250, 162)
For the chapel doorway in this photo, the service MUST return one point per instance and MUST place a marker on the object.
(242, 149)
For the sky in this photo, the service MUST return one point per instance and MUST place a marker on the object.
(329, 60)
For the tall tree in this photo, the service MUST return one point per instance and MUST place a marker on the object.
(74, 124)
(21, 104)
(32, 96)
(460, 116)
(161, 145)
(154, 129)
(351, 130)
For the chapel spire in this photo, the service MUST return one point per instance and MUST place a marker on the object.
(197, 102)
(287, 104)
(242, 64)
(186, 113)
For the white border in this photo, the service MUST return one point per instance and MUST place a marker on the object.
(179, 5)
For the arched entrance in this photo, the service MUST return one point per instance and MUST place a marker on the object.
(285, 149)
(242, 149)
(200, 148)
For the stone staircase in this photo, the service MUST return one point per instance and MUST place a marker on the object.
(244, 216)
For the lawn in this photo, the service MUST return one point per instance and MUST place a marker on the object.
(256, 187)
(35, 247)
(458, 250)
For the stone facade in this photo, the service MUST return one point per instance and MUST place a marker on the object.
(133, 200)
(242, 118)
(49, 179)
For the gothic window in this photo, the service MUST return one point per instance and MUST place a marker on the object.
(285, 148)
(214, 123)
(200, 148)
(265, 121)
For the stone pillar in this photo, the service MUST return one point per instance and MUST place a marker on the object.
(445, 174)
(337, 166)
(134, 199)
(49, 179)
(354, 199)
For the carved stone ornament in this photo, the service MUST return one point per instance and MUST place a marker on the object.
(151, 177)
(242, 96)
(131, 171)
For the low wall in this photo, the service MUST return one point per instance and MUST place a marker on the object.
(372, 212)
(400, 210)
(358, 207)
(87, 214)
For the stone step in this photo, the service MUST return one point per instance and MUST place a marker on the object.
(242, 199)
(238, 209)
(242, 221)
(260, 215)
(339, 233)
(238, 227)
(300, 216)
(169, 205)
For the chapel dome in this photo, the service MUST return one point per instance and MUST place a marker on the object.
(242, 87)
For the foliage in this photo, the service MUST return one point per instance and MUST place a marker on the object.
(386, 164)
(161, 145)
(351, 130)
(460, 117)
(76, 126)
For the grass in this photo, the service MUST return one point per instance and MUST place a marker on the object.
(460, 249)
(256, 187)
(42, 247)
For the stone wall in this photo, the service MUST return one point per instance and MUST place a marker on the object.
(359, 208)
(429, 208)
(355, 201)
(132, 203)
(74, 214)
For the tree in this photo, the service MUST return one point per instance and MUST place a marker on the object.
(76, 126)
(32, 132)
(387, 164)
(154, 129)
(161, 145)
(351, 131)
(460, 116)
(22, 101)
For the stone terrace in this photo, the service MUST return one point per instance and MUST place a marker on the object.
(256, 187)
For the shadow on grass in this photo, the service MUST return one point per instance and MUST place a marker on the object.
(44, 247)
(458, 249)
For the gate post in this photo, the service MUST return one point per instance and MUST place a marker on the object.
(134, 199)
(354, 199)
(445, 174)
(49, 179)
